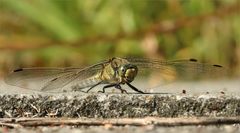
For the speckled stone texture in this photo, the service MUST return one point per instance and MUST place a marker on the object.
(98, 105)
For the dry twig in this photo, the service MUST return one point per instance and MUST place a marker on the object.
(10, 125)
(17, 122)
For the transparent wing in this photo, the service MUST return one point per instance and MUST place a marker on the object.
(180, 69)
(35, 78)
(45, 79)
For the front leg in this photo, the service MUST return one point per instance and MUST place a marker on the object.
(135, 89)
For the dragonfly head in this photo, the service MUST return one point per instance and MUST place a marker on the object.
(128, 72)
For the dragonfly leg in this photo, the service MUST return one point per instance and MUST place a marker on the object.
(120, 88)
(135, 89)
(94, 86)
(107, 86)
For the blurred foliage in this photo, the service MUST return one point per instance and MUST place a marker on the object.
(77, 32)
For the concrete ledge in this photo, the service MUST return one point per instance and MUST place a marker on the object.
(117, 105)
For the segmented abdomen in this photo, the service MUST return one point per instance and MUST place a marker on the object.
(89, 82)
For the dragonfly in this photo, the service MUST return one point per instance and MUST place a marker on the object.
(113, 72)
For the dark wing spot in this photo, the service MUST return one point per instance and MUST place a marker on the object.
(17, 70)
(217, 65)
(194, 60)
(54, 79)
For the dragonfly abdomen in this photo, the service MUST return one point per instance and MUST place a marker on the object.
(88, 82)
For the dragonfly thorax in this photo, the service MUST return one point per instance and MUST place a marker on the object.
(127, 72)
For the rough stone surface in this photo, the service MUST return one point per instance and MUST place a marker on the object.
(98, 105)
(128, 129)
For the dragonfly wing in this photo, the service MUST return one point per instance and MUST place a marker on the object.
(182, 69)
(59, 82)
(79, 78)
(44, 79)
(28, 77)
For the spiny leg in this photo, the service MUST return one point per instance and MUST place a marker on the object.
(117, 86)
(135, 89)
(94, 86)
(107, 86)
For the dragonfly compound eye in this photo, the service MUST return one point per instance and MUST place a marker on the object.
(130, 73)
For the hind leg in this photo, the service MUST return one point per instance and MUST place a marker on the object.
(117, 86)
(94, 86)
(107, 86)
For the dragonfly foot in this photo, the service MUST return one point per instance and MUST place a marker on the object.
(120, 88)
(107, 86)
(101, 92)
(124, 91)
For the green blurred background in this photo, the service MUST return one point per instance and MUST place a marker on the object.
(60, 33)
